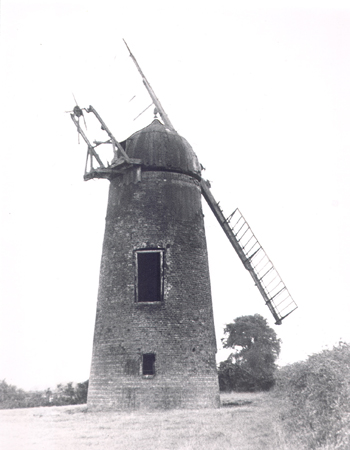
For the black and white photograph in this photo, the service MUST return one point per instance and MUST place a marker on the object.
(175, 216)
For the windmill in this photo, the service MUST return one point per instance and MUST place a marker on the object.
(252, 255)
(154, 342)
(254, 258)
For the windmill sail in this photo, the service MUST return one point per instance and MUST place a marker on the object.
(153, 96)
(254, 259)
(248, 248)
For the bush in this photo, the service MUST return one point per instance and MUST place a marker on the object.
(12, 397)
(70, 395)
(233, 377)
(316, 396)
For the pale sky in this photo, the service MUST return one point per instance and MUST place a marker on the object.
(263, 96)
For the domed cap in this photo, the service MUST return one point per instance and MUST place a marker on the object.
(162, 149)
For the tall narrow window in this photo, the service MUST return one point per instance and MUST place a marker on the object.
(148, 364)
(149, 276)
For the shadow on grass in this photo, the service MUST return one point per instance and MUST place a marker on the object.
(226, 404)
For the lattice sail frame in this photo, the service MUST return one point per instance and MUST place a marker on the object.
(255, 260)
(276, 293)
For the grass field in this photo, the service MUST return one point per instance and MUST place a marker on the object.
(247, 422)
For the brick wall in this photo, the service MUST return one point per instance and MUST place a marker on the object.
(162, 211)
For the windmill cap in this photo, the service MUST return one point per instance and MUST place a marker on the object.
(162, 149)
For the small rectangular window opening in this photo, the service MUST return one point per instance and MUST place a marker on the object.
(148, 364)
(149, 276)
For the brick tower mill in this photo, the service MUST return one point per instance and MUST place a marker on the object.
(154, 342)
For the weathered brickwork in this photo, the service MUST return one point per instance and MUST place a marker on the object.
(162, 210)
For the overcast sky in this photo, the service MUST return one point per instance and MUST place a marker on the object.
(263, 97)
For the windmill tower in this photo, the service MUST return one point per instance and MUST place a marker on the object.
(154, 342)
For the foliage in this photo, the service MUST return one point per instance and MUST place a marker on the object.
(12, 397)
(251, 366)
(81, 392)
(316, 399)
(70, 395)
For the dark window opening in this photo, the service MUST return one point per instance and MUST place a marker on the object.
(148, 364)
(149, 276)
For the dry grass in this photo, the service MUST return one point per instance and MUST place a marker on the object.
(249, 423)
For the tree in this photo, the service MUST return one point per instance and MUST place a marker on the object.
(256, 348)
(81, 392)
(64, 394)
(11, 397)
